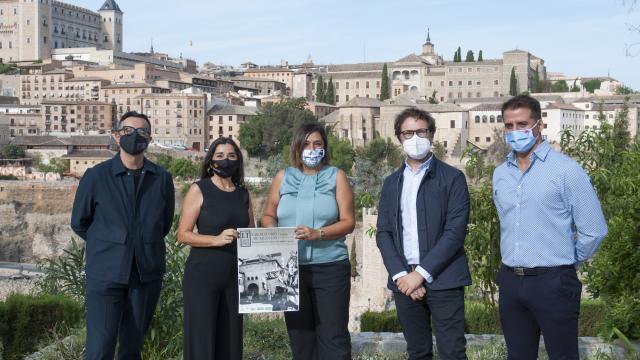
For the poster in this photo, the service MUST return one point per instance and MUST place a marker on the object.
(267, 270)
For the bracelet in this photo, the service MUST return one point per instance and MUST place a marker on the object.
(321, 234)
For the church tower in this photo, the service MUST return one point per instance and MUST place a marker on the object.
(111, 26)
(427, 47)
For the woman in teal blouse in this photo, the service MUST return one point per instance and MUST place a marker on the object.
(317, 200)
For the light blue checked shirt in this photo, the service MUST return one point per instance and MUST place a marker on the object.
(549, 214)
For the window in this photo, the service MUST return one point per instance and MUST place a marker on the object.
(430, 84)
(442, 83)
(477, 139)
(459, 95)
(459, 82)
(488, 139)
(492, 119)
(357, 84)
(477, 118)
(478, 94)
(346, 85)
(230, 128)
(495, 82)
(450, 83)
(478, 83)
(469, 82)
(484, 119)
(444, 143)
(337, 98)
(366, 85)
(337, 85)
(230, 117)
(346, 98)
(544, 114)
(452, 124)
(499, 118)
(377, 84)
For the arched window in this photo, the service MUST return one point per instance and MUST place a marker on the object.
(499, 118)
(484, 118)
(492, 119)
(414, 74)
(405, 74)
(477, 118)
(396, 75)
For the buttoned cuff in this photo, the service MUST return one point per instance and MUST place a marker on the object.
(424, 274)
(399, 275)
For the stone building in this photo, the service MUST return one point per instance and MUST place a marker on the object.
(265, 86)
(356, 121)
(77, 117)
(225, 121)
(30, 29)
(176, 119)
(281, 74)
(78, 161)
(124, 96)
(21, 120)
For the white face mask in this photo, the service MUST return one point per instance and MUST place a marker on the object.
(417, 148)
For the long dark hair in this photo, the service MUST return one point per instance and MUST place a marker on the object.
(238, 177)
(300, 136)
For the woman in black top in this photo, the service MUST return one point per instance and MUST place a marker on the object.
(217, 204)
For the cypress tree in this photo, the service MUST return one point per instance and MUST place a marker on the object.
(536, 80)
(384, 84)
(320, 89)
(513, 83)
(330, 95)
(470, 57)
(480, 56)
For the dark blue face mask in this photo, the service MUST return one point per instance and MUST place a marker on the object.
(224, 168)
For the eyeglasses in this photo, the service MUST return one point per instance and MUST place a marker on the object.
(128, 130)
(408, 134)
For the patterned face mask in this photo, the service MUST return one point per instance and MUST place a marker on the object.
(312, 157)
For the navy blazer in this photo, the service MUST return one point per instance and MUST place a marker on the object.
(443, 213)
(115, 227)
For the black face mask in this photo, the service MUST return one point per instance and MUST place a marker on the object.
(133, 144)
(224, 168)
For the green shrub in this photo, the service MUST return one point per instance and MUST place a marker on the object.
(64, 275)
(481, 318)
(28, 319)
(386, 321)
(624, 315)
(8, 177)
(591, 317)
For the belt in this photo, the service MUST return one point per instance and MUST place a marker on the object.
(533, 271)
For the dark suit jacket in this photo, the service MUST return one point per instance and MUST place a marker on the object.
(116, 226)
(443, 213)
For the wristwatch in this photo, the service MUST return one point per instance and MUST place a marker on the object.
(321, 234)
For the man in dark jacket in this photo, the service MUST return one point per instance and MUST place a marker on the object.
(422, 223)
(123, 209)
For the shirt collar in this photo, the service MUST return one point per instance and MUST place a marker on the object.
(541, 152)
(425, 165)
(117, 167)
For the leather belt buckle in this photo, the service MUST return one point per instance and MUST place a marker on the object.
(518, 271)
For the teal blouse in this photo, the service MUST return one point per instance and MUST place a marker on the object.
(311, 200)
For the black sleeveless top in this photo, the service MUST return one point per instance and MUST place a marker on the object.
(221, 209)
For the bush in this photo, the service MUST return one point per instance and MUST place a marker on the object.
(386, 321)
(624, 315)
(481, 318)
(27, 320)
(64, 275)
(8, 177)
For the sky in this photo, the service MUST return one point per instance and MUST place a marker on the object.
(574, 37)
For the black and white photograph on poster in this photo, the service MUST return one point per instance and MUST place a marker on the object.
(267, 270)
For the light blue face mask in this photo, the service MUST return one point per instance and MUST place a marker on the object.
(312, 157)
(521, 141)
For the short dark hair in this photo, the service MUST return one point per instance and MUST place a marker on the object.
(523, 101)
(238, 176)
(414, 113)
(300, 136)
(129, 114)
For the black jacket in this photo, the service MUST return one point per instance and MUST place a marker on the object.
(114, 229)
(443, 213)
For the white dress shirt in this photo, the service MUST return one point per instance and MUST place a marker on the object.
(408, 211)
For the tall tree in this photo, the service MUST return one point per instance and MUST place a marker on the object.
(384, 84)
(560, 86)
(513, 83)
(480, 56)
(592, 85)
(330, 95)
(270, 131)
(470, 57)
(320, 89)
(536, 80)
(455, 56)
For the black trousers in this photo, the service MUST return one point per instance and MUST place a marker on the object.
(319, 329)
(547, 303)
(446, 309)
(212, 324)
(120, 312)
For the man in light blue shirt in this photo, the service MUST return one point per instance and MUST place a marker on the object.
(550, 221)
